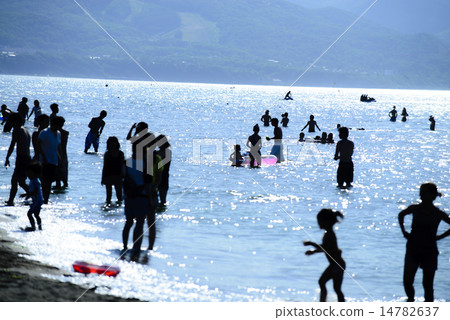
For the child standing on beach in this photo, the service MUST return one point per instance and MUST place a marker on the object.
(326, 219)
(35, 193)
(113, 163)
(344, 152)
(421, 248)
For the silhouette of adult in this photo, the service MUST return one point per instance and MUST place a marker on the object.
(277, 149)
(393, 114)
(96, 128)
(37, 112)
(23, 108)
(255, 144)
(421, 247)
(20, 138)
(266, 118)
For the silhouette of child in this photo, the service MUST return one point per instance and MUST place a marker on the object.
(301, 137)
(326, 219)
(421, 247)
(284, 119)
(236, 157)
(344, 152)
(266, 118)
(330, 138)
(55, 109)
(37, 112)
(255, 144)
(113, 162)
(312, 124)
(433, 123)
(93, 137)
(324, 138)
(35, 193)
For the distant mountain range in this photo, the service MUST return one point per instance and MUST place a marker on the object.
(227, 41)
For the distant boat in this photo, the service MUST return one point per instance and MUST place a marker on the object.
(365, 98)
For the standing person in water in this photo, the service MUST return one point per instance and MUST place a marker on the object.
(48, 144)
(393, 114)
(277, 149)
(266, 118)
(63, 166)
(404, 114)
(284, 119)
(326, 219)
(55, 109)
(21, 138)
(165, 154)
(344, 152)
(113, 162)
(96, 128)
(421, 247)
(43, 123)
(37, 112)
(432, 123)
(255, 144)
(23, 108)
(312, 124)
(6, 112)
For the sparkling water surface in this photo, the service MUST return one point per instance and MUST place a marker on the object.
(235, 234)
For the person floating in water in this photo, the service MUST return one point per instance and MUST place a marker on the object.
(432, 123)
(344, 152)
(35, 193)
(288, 96)
(255, 144)
(37, 112)
(277, 149)
(404, 114)
(21, 138)
(236, 157)
(421, 247)
(312, 124)
(266, 118)
(93, 137)
(284, 119)
(326, 219)
(393, 114)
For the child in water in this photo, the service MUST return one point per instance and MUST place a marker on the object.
(284, 119)
(432, 123)
(301, 137)
(266, 118)
(312, 124)
(35, 193)
(421, 248)
(236, 157)
(113, 163)
(326, 219)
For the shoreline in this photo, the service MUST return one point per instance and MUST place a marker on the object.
(22, 280)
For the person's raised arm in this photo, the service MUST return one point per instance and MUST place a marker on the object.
(401, 221)
(129, 135)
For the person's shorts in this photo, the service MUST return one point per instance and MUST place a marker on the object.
(426, 260)
(137, 207)
(49, 172)
(22, 163)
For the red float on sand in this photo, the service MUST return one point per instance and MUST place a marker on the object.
(86, 268)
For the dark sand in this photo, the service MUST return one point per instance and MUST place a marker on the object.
(21, 280)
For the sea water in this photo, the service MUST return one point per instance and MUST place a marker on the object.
(235, 234)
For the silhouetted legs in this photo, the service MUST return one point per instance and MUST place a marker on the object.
(338, 276)
(409, 274)
(137, 234)
(151, 229)
(14, 181)
(118, 188)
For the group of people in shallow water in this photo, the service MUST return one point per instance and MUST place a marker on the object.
(421, 249)
(142, 181)
(393, 114)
